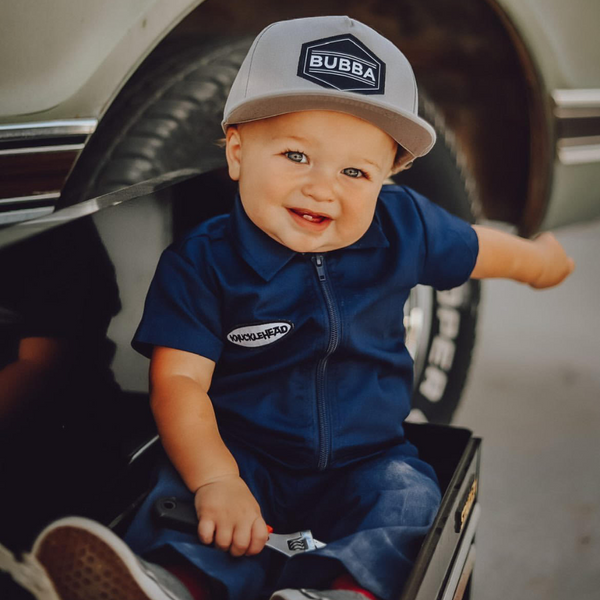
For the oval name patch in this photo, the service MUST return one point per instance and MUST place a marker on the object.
(259, 334)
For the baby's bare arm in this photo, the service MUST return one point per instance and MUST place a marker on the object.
(228, 513)
(179, 383)
(541, 262)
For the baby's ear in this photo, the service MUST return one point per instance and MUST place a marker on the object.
(402, 161)
(233, 152)
(402, 166)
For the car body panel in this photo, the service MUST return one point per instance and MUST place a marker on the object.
(77, 79)
(102, 44)
(575, 195)
(562, 38)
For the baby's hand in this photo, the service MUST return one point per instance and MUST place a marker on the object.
(229, 516)
(556, 265)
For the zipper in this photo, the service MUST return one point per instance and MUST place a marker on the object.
(334, 334)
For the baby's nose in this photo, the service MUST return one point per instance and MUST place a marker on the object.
(320, 186)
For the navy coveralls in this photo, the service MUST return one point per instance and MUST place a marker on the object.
(312, 385)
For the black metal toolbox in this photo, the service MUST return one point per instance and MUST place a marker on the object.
(445, 562)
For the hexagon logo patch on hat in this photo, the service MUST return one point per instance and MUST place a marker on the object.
(342, 63)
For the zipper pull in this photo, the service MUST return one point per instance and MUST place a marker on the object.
(319, 262)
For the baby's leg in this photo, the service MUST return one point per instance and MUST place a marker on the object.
(185, 556)
(373, 516)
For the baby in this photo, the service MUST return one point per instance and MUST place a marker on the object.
(279, 376)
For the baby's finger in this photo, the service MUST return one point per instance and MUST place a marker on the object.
(260, 535)
(206, 531)
(240, 540)
(223, 536)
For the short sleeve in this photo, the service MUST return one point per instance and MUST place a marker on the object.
(451, 246)
(182, 309)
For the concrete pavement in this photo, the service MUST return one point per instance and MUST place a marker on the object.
(534, 396)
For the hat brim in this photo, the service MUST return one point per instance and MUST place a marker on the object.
(413, 133)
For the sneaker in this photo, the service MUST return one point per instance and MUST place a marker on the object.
(302, 594)
(78, 559)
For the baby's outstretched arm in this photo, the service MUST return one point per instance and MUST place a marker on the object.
(228, 513)
(541, 262)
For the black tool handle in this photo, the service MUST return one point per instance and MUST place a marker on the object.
(176, 514)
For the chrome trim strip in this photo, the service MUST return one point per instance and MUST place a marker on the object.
(583, 98)
(41, 149)
(577, 155)
(48, 129)
(580, 112)
(575, 106)
(463, 552)
(16, 216)
(588, 140)
(29, 228)
(143, 449)
(32, 198)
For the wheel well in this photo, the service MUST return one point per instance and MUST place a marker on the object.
(467, 59)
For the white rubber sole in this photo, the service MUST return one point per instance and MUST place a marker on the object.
(295, 595)
(86, 561)
(304, 594)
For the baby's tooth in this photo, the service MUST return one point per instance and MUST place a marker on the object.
(308, 217)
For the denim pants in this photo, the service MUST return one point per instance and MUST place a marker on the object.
(372, 514)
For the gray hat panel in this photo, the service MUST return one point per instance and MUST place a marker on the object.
(330, 58)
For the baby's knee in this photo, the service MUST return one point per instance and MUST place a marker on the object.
(422, 502)
(408, 496)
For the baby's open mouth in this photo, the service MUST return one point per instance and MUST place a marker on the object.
(309, 216)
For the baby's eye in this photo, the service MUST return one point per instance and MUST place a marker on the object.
(296, 156)
(352, 172)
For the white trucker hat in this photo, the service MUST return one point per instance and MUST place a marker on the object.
(330, 63)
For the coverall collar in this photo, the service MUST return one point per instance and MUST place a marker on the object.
(267, 256)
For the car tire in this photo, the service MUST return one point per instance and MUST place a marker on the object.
(168, 117)
(441, 326)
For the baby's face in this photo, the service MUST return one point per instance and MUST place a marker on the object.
(310, 179)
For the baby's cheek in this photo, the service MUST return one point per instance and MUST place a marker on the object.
(355, 225)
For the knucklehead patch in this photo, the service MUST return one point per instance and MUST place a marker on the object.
(343, 63)
(259, 334)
